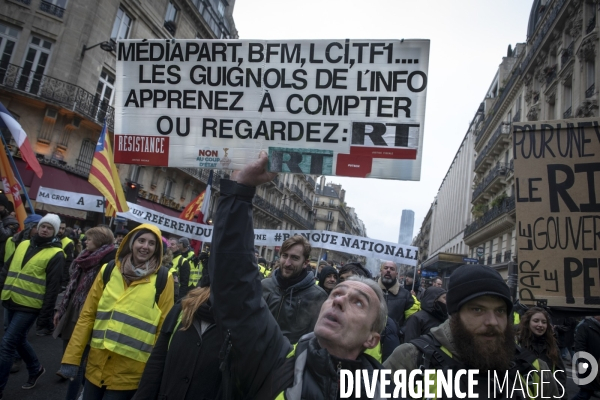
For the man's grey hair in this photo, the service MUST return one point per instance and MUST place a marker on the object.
(381, 320)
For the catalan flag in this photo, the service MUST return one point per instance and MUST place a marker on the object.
(104, 176)
(11, 186)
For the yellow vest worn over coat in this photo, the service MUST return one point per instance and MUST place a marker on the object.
(26, 284)
(127, 319)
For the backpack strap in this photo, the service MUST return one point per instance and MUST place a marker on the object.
(433, 355)
(161, 282)
(108, 271)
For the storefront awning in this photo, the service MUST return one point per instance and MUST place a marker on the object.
(443, 261)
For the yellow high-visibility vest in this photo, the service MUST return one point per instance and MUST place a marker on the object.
(27, 285)
(9, 249)
(127, 318)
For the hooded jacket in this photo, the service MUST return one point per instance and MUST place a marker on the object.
(53, 274)
(430, 316)
(106, 368)
(325, 272)
(408, 357)
(296, 308)
(258, 357)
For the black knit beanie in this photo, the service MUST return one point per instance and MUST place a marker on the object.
(470, 281)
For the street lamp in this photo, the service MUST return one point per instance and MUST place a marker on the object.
(107, 45)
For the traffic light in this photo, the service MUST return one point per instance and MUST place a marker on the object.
(131, 193)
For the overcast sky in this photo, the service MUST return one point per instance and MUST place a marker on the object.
(468, 40)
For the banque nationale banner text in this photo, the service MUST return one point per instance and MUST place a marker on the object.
(358, 245)
(320, 107)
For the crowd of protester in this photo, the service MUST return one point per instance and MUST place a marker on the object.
(144, 316)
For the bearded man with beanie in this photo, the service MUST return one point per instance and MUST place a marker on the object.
(478, 335)
(30, 282)
(291, 293)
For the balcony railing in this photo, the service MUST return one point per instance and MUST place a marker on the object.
(266, 206)
(551, 75)
(65, 94)
(567, 55)
(498, 170)
(590, 91)
(326, 218)
(498, 258)
(518, 71)
(501, 131)
(308, 201)
(296, 190)
(53, 9)
(310, 181)
(297, 217)
(505, 207)
(507, 256)
(567, 114)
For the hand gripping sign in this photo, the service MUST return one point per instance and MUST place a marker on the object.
(324, 107)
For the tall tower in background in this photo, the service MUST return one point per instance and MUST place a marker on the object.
(407, 223)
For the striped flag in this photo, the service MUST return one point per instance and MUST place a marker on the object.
(105, 178)
(11, 186)
(17, 132)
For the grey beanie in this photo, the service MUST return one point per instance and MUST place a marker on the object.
(51, 219)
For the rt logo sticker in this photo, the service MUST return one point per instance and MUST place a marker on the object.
(584, 369)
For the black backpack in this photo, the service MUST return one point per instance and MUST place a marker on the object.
(161, 279)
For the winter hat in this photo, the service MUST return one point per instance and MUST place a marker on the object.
(51, 219)
(471, 281)
(327, 271)
(356, 268)
(33, 218)
(184, 241)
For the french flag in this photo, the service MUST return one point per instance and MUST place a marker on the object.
(7, 120)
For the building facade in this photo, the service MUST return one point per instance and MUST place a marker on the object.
(552, 76)
(331, 213)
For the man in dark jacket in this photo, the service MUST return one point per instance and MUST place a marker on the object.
(7, 221)
(259, 358)
(181, 267)
(30, 282)
(433, 313)
(587, 338)
(291, 293)
(68, 246)
(401, 304)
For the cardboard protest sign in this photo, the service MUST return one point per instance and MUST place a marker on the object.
(557, 181)
(323, 107)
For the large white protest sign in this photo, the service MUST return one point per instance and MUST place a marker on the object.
(322, 107)
(328, 240)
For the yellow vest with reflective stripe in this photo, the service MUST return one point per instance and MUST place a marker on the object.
(27, 285)
(65, 242)
(9, 249)
(127, 318)
(194, 273)
(175, 268)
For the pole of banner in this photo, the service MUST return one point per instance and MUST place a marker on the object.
(17, 175)
(104, 211)
(414, 279)
(320, 251)
(110, 222)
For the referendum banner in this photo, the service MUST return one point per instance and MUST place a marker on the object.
(262, 237)
(320, 107)
(557, 176)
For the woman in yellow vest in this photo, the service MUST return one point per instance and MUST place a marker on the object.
(537, 335)
(121, 318)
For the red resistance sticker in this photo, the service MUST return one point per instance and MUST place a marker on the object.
(351, 165)
(142, 150)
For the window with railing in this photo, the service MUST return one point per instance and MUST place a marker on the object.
(121, 26)
(54, 7)
(590, 66)
(8, 41)
(567, 98)
(36, 60)
(86, 155)
(104, 93)
(171, 18)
